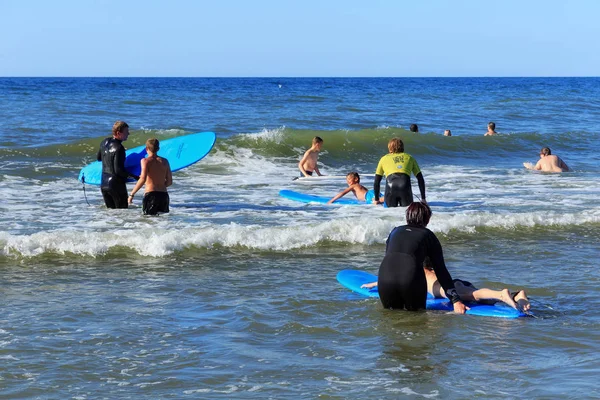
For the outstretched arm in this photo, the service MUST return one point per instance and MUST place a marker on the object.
(340, 194)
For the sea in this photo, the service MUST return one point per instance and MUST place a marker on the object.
(233, 294)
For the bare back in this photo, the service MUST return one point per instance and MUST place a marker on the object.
(158, 174)
(551, 163)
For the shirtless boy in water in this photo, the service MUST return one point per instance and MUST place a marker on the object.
(548, 162)
(491, 131)
(354, 186)
(156, 174)
(308, 164)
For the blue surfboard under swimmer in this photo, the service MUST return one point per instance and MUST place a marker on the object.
(354, 279)
(181, 152)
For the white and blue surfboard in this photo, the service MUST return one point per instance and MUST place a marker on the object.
(181, 152)
(354, 279)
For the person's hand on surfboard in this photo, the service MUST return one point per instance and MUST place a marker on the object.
(460, 308)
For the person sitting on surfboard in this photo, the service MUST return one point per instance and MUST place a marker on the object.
(114, 175)
(354, 186)
(308, 164)
(156, 174)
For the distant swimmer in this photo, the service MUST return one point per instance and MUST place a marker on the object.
(156, 175)
(491, 129)
(397, 167)
(447, 132)
(548, 162)
(354, 186)
(414, 128)
(308, 164)
(114, 175)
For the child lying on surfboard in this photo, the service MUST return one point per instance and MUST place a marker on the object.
(354, 186)
(468, 292)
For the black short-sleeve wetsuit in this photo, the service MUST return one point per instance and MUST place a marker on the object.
(114, 175)
(401, 281)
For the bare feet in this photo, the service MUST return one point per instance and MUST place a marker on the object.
(522, 300)
(505, 297)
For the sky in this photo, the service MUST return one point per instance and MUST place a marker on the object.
(299, 38)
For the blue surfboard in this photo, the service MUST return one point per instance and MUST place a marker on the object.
(181, 152)
(349, 200)
(310, 198)
(354, 279)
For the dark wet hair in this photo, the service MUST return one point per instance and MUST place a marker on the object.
(354, 175)
(414, 128)
(492, 126)
(546, 151)
(418, 214)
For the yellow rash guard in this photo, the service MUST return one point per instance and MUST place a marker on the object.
(395, 163)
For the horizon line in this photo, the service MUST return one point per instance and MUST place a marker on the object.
(293, 77)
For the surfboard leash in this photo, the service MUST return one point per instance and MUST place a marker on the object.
(84, 194)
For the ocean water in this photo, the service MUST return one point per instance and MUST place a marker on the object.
(233, 294)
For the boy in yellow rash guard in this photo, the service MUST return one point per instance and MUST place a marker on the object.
(397, 167)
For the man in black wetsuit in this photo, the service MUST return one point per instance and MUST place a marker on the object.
(401, 282)
(397, 167)
(114, 175)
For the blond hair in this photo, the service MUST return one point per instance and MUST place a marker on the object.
(119, 126)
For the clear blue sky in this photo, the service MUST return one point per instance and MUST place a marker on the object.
(299, 38)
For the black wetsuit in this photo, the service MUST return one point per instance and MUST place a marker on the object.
(398, 190)
(401, 280)
(114, 175)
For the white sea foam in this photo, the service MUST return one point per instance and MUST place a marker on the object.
(230, 199)
(161, 240)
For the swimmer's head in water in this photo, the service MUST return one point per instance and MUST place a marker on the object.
(352, 177)
(152, 145)
(396, 146)
(414, 128)
(545, 151)
(492, 126)
(418, 214)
